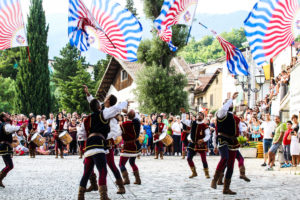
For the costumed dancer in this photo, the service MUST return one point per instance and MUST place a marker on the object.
(131, 148)
(6, 140)
(227, 133)
(96, 147)
(32, 129)
(242, 169)
(185, 133)
(115, 131)
(61, 125)
(200, 134)
(159, 146)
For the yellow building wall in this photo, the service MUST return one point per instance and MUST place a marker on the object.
(215, 90)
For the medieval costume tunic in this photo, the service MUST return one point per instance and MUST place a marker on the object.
(131, 149)
(32, 129)
(115, 131)
(61, 126)
(96, 128)
(200, 134)
(227, 131)
(159, 146)
(233, 145)
(6, 150)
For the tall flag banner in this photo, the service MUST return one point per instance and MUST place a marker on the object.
(174, 12)
(271, 27)
(124, 31)
(12, 29)
(236, 62)
(79, 20)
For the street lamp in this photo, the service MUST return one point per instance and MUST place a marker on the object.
(244, 81)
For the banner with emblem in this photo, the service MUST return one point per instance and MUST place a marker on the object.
(12, 28)
(174, 12)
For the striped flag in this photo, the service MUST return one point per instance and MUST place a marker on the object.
(79, 20)
(270, 26)
(236, 62)
(174, 12)
(12, 30)
(124, 31)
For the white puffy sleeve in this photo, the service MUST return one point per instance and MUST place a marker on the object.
(11, 128)
(114, 110)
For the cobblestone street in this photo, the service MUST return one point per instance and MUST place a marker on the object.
(49, 178)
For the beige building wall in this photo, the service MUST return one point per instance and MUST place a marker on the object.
(213, 96)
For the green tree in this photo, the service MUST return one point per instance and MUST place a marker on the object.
(72, 96)
(33, 79)
(65, 66)
(9, 62)
(161, 90)
(156, 51)
(7, 91)
(208, 48)
(100, 68)
(130, 7)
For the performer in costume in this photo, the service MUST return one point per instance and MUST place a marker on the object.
(6, 139)
(96, 147)
(185, 133)
(32, 129)
(61, 125)
(227, 133)
(132, 147)
(200, 134)
(115, 131)
(159, 146)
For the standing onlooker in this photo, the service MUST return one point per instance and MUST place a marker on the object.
(176, 128)
(147, 127)
(295, 123)
(41, 125)
(295, 149)
(50, 125)
(255, 129)
(277, 141)
(286, 145)
(72, 128)
(267, 128)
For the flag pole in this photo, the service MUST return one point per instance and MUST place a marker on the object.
(189, 34)
(28, 52)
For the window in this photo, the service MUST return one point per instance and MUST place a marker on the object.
(124, 75)
(211, 100)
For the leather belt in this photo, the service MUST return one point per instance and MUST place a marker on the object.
(97, 134)
(227, 136)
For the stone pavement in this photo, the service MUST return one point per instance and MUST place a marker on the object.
(49, 178)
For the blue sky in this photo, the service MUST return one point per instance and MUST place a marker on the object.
(57, 12)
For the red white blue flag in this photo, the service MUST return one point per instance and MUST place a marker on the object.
(123, 30)
(271, 27)
(236, 62)
(12, 30)
(174, 12)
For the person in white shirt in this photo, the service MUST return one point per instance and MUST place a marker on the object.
(176, 128)
(267, 128)
(200, 134)
(6, 139)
